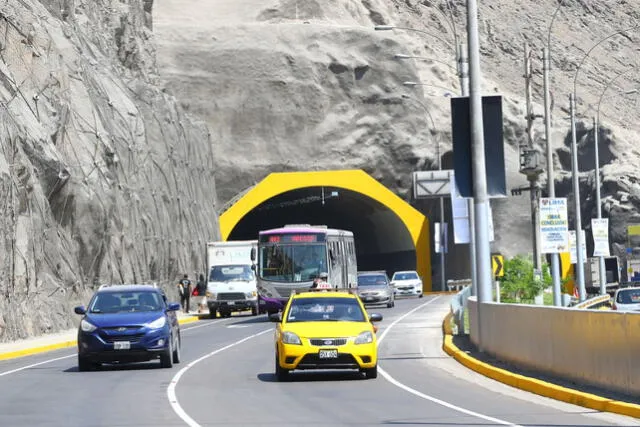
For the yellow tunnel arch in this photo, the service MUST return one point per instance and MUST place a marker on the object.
(354, 180)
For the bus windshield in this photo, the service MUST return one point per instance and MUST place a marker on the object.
(292, 263)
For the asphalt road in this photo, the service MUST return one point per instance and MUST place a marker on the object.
(226, 379)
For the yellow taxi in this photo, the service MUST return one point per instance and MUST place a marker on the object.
(325, 329)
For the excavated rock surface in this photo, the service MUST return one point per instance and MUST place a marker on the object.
(103, 176)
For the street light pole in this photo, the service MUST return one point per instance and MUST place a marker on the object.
(601, 267)
(480, 197)
(463, 73)
(551, 184)
(579, 269)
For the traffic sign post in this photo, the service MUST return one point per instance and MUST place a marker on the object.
(497, 265)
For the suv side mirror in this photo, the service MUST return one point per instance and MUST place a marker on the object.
(275, 317)
(174, 306)
(80, 310)
(375, 317)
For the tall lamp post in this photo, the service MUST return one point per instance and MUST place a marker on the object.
(574, 172)
(462, 65)
(596, 133)
(440, 199)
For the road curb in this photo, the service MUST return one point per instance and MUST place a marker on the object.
(534, 385)
(66, 344)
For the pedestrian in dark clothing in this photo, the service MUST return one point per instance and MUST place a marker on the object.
(184, 287)
(201, 289)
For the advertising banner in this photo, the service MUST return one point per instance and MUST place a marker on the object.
(554, 225)
(600, 231)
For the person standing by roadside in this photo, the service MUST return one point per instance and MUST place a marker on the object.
(184, 288)
(201, 292)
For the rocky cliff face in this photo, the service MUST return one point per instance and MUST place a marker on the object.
(300, 85)
(104, 177)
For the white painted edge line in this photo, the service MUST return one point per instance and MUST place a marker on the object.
(33, 365)
(421, 395)
(171, 389)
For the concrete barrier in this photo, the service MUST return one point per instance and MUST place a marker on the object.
(596, 347)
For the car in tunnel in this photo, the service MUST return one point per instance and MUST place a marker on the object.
(128, 323)
(374, 288)
(407, 283)
(325, 330)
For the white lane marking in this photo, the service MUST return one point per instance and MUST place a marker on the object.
(13, 371)
(171, 389)
(397, 383)
(2, 374)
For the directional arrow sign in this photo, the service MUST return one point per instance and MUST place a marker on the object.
(497, 265)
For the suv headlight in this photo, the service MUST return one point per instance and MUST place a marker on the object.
(87, 327)
(251, 294)
(365, 337)
(291, 338)
(158, 323)
(211, 295)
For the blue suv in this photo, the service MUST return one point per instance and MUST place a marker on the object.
(128, 323)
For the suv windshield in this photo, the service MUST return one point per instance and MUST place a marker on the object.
(404, 276)
(116, 302)
(372, 280)
(325, 309)
(231, 273)
(628, 296)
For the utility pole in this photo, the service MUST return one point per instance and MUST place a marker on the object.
(479, 168)
(579, 268)
(530, 166)
(463, 74)
(551, 185)
(601, 266)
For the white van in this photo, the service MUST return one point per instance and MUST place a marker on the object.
(231, 283)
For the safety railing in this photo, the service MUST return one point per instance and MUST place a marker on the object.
(458, 308)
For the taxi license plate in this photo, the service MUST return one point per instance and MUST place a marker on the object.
(121, 345)
(328, 354)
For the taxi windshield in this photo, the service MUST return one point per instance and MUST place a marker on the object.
(325, 309)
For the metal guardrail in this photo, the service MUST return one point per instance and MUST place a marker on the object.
(458, 307)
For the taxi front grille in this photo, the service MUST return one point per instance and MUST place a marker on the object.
(328, 341)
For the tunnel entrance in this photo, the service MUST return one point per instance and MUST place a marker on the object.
(389, 234)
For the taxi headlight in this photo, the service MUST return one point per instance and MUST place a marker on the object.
(365, 337)
(291, 338)
(158, 323)
(87, 327)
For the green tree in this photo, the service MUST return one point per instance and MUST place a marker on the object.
(518, 283)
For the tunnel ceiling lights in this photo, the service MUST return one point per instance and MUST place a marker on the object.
(297, 202)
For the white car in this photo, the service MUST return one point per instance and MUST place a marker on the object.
(407, 283)
(627, 299)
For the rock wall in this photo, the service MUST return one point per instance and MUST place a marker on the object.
(103, 176)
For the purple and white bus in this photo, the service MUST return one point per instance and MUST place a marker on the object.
(291, 257)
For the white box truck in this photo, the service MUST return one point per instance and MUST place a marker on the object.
(231, 283)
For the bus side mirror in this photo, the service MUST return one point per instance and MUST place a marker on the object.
(253, 267)
(332, 255)
(253, 254)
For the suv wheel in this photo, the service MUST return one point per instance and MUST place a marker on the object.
(166, 359)
(84, 364)
(177, 352)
